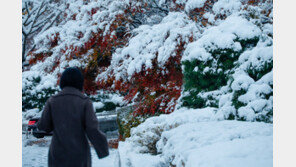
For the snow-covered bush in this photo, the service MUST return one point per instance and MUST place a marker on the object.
(36, 89)
(212, 72)
(106, 101)
(196, 137)
(31, 113)
(146, 135)
(253, 85)
(222, 68)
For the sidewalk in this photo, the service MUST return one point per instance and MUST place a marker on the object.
(35, 154)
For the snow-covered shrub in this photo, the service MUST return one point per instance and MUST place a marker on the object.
(209, 62)
(31, 113)
(253, 85)
(147, 134)
(228, 60)
(36, 89)
(106, 101)
(190, 137)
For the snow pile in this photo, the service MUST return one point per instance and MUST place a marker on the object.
(193, 4)
(225, 143)
(189, 137)
(227, 6)
(98, 105)
(115, 98)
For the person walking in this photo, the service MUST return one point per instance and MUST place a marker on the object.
(71, 117)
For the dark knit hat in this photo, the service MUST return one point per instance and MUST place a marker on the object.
(72, 77)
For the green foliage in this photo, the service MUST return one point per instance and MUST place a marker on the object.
(231, 116)
(34, 98)
(212, 101)
(193, 100)
(210, 75)
(127, 120)
(236, 94)
(199, 80)
(266, 117)
(248, 43)
(258, 72)
(127, 124)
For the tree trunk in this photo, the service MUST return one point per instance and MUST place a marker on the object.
(24, 49)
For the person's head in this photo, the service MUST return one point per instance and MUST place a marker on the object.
(72, 77)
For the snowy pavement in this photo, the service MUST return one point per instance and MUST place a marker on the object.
(35, 154)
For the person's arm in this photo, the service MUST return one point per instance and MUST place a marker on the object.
(96, 137)
(45, 122)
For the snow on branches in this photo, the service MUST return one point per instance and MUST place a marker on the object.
(139, 48)
(37, 17)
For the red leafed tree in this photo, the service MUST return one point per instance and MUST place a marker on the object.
(90, 32)
(154, 90)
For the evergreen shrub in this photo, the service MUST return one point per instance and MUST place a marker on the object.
(210, 75)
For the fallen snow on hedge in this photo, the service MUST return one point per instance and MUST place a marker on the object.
(196, 137)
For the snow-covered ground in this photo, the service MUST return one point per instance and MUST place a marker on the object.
(35, 155)
(186, 137)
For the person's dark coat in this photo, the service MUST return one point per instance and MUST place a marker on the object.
(71, 117)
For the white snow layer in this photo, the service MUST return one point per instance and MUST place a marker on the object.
(222, 36)
(195, 137)
(29, 114)
(37, 156)
(160, 39)
(98, 105)
(46, 81)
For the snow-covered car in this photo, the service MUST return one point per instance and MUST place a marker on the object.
(32, 127)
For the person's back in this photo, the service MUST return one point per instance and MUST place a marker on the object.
(71, 117)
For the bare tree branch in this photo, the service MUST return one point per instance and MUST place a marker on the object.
(37, 17)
